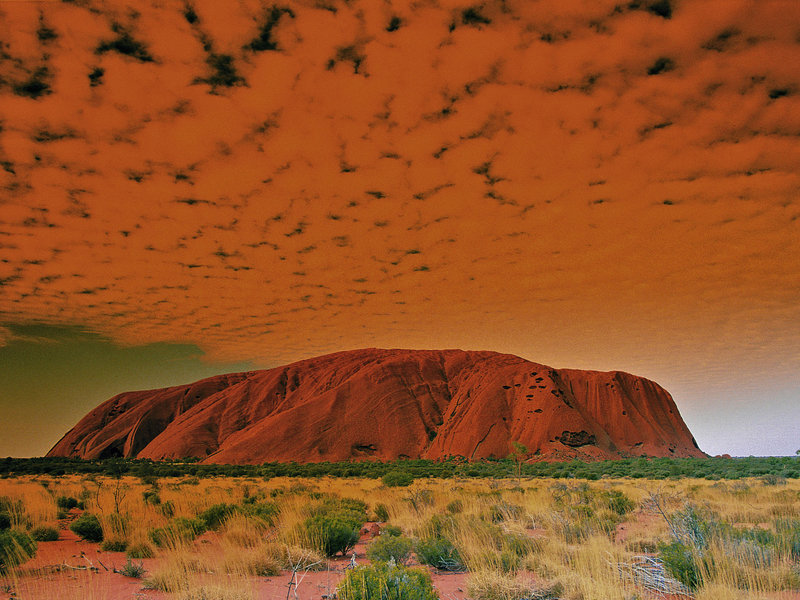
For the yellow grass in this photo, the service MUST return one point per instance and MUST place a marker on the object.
(489, 525)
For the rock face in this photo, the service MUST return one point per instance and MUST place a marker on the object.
(389, 404)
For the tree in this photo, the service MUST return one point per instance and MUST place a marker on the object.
(519, 453)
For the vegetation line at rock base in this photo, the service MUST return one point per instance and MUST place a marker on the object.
(652, 468)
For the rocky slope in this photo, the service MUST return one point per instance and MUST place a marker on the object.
(388, 404)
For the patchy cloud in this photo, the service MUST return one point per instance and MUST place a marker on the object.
(606, 184)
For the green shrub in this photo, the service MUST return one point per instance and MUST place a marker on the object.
(510, 562)
(167, 509)
(680, 562)
(439, 553)
(15, 548)
(381, 512)
(151, 497)
(419, 499)
(214, 516)
(520, 545)
(88, 528)
(357, 507)
(392, 530)
(179, 530)
(693, 527)
(67, 502)
(44, 534)
(397, 479)
(265, 511)
(131, 570)
(503, 511)
(441, 525)
(334, 525)
(618, 502)
(384, 582)
(142, 550)
(389, 547)
(787, 532)
(114, 545)
(331, 533)
(14, 512)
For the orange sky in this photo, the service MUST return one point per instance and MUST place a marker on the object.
(596, 184)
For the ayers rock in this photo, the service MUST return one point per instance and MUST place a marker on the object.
(388, 404)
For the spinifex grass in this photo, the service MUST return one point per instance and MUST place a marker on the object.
(567, 536)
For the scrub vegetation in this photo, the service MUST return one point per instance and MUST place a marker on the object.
(403, 472)
(506, 538)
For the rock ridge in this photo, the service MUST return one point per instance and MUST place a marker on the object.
(377, 404)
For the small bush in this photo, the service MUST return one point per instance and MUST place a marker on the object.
(334, 525)
(151, 497)
(502, 511)
(167, 509)
(141, 550)
(455, 507)
(680, 562)
(787, 533)
(15, 548)
(114, 545)
(214, 516)
(264, 561)
(331, 534)
(393, 530)
(381, 512)
(441, 525)
(491, 585)
(397, 479)
(510, 561)
(180, 530)
(14, 511)
(264, 511)
(131, 570)
(419, 499)
(439, 553)
(520, 545)
(385, 582)
(67, 502)
(88, 528)
(44, 534)
(618, 502)
(389, 547)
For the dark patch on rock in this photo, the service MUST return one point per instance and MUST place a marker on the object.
(576, 439)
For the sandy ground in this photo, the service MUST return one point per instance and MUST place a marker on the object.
(72, 569)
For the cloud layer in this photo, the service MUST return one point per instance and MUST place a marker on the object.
(597, 184)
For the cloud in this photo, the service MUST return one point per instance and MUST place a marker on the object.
(526, 178)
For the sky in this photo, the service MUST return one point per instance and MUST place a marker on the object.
(205, 187)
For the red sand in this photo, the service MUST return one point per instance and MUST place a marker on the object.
(98, 581)
(70, 568)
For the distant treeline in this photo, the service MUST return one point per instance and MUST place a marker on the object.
(649, 468)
